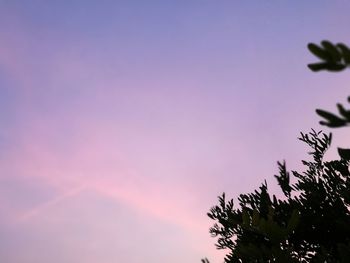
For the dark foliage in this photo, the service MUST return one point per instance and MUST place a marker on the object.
(334, 57)
(311, 222)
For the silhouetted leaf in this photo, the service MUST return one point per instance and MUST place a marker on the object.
(319, 52)
(335, 67)
(332, 50)
(345, 113)
(318, 66)
(345, 52)
(283, 179)
(333, 120)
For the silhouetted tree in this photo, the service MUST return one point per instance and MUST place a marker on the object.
(311, 222)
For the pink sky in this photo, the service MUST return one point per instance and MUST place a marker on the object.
(121, 121)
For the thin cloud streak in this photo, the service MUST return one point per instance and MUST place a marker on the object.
(113, 114)
(36, 211)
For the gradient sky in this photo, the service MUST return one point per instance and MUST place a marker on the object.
(122, 121)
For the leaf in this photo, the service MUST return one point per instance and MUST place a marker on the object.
(333, 120)
(332, 50)
(283, 179)
(335, 67)
(344, 154)
(318, 66)
(345, 113)
(319, 52)
(345, 52)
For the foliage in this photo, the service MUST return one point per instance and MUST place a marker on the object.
(334, 57)
(311, 222)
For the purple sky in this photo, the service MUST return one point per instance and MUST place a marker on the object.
(122, 121)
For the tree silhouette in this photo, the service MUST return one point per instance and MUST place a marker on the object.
(311, 222)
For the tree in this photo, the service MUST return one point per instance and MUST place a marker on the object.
(311, 222)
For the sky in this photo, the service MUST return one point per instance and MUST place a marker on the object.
(122, 121)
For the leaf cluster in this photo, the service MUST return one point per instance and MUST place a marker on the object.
(334, 57)
(333, 120)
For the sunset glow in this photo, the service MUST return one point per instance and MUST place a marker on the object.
(122, 121)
